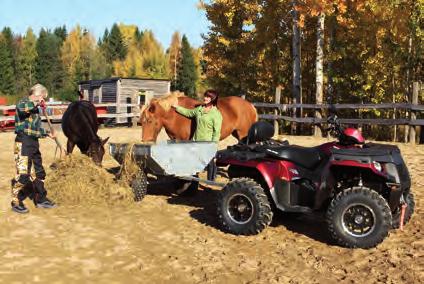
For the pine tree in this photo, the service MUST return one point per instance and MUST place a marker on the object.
(138, 35)
(7, 72)
(113, 44)
(187, 73)
(49, 69)
(61, 32)
(26, 57)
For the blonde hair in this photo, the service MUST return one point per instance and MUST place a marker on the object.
(38, 90)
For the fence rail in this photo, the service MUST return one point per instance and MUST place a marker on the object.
(64, 105)
(285, 107)
(376, 121)
(288, 112)
(132, 112)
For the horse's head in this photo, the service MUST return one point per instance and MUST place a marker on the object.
(151, 121)
(96, 150)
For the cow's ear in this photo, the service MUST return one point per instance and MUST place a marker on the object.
(104, 141)
(152, 108)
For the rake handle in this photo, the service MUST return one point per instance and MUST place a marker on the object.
(52, 131)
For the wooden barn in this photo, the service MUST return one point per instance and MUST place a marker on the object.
(123, 91)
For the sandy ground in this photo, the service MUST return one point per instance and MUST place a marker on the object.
(171, 239)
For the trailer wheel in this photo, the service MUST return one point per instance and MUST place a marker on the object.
(139, 186)
(410, 202)
(359, 217)
(243, 207)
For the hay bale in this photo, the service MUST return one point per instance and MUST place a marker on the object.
(78, 181)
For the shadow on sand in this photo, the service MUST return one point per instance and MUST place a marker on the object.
(205, 211)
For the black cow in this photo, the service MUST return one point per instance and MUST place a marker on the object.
(79, 124)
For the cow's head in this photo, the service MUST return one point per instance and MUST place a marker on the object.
(151, 121)
(96, 150)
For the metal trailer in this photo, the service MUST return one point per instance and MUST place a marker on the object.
(180, 160)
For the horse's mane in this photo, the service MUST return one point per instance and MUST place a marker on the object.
(168, 100)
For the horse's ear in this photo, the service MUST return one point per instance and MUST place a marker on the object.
(104, 141)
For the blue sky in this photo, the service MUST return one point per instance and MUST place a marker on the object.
(163, 17)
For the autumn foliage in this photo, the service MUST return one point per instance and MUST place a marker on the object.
(372, 51)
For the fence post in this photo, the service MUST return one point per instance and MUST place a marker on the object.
(412, 129)
(317, 126)
(277, 100)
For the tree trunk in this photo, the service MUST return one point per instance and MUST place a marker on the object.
(297, 91)
(394, 109)
(319, 70)
(277, 100)
(408, 85)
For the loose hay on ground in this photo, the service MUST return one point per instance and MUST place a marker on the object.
(77, 180)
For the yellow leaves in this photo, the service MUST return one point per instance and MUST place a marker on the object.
(78, 45)
(224, 41)
(145, 57)
(131, 66)
(315, 12)
(128, 33)
(367, 87)
(342, 6)
(301, 22)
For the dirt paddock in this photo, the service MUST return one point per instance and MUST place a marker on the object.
(172, 239)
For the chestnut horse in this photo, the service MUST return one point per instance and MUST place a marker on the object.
(237, 117)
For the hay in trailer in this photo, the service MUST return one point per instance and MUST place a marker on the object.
(77, 180)
(129, 166)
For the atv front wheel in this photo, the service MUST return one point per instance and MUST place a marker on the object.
(243, 207)
(359, 217)
(410, 202)
(139, 186)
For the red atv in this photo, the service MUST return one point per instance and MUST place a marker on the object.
(363, 187)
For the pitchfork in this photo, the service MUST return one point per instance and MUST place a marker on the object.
(58, 145)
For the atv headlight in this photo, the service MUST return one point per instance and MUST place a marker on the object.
(377, 166)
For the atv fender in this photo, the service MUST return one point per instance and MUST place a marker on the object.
(271, 171)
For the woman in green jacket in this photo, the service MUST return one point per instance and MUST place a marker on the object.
(208, 123)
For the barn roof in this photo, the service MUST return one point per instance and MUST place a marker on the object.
(114, 79)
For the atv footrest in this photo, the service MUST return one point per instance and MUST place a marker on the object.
(292, 197)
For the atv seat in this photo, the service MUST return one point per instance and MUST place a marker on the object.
(306, 157)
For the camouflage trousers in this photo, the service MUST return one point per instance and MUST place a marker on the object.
(27, 155)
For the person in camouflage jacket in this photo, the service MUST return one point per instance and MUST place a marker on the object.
(28, 130)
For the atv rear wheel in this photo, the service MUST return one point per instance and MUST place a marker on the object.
(359, 217)
(243, 207)
(410, 202)
(139, 186)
